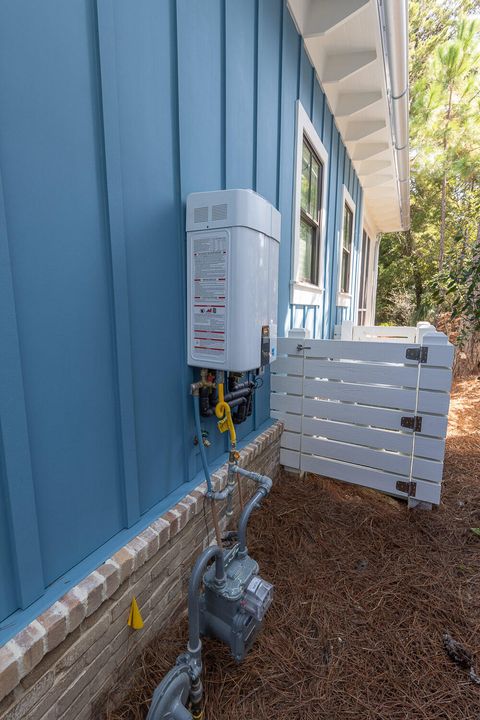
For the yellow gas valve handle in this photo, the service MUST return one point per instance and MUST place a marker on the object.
(223, 425)
(224, 414)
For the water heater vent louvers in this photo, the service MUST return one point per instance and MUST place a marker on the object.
(200, 214)
(219, 212)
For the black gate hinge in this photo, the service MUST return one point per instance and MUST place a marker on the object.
(412, 422)
(407, 487)
(419, 354)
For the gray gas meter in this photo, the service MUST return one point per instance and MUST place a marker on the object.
(231, 608)
(234, 612)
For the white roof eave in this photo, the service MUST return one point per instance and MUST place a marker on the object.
(360, 57)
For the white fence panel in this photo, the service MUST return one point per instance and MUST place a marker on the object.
(368, 411)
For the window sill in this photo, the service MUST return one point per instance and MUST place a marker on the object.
(306, 294)
(343, 299)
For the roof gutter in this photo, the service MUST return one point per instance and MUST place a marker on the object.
(394, 17)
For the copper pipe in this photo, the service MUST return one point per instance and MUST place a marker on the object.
(218, 534)
(240, 492)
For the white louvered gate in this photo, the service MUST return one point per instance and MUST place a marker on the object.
(369, 413)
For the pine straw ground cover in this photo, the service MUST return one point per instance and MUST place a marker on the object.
(364, 591)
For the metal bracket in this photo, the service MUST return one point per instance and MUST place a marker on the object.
(412, 422)
(419, 354)
(407, 487)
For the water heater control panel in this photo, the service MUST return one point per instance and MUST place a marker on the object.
(233, 241)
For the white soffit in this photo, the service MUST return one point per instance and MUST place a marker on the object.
(344, 42)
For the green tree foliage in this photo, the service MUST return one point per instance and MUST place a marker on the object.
(432, 266)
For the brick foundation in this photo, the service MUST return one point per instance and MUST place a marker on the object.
(60, 664)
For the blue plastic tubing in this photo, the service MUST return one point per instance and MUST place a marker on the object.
(203, 454)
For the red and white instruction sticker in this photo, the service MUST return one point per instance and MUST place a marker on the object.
(209, 269)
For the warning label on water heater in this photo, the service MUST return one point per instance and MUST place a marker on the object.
(209, 277)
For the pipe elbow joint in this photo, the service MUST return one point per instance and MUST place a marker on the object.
(221, 494)
(265, 483)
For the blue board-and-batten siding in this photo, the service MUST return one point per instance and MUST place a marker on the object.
(111, 112)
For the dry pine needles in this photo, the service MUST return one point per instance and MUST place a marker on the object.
(364, 592)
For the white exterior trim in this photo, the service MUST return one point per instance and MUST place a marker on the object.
(359, 49)
(344, 299)
(302, 293)
(373, 291)
(372, 270)
(370, 278)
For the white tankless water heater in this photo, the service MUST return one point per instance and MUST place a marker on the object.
(233, 241)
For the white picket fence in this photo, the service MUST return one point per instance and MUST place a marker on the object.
(368, 412)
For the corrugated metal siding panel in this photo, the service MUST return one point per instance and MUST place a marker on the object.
(113, 114)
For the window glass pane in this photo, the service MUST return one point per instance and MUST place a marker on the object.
(309, 240)
(365, 281)
(347, 228)
(367, 263)
(361, 291)
(345, 279)
(314, 199)
(306, 163)
(306, 253)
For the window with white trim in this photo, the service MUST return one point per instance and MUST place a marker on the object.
(310, 199)
(346, 248)
(309, 213)
(347, 242)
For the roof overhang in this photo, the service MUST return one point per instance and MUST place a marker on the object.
(359, 49)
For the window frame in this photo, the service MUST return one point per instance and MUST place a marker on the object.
(371, 281)
(344, 299)
(301, 292)
(364, 277)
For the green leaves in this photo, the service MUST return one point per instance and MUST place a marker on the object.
(445, 153)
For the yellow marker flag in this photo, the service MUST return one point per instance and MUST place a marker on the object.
(135, 619)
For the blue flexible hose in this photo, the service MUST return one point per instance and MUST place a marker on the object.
(203, 454)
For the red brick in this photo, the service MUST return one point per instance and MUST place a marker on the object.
(93, 590)
(155, 567)
(76, 610)
(75, 654)
(150, 536)
(202, 488)
(111, 573)
(173, 519)
(54, 620)
(30, 643)
(183, 514)
(138, 547)
(124, 558)
(191, 504)
(199, 498)
(10, 671)
(162, 527)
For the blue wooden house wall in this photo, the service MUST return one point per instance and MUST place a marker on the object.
(111, 112)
